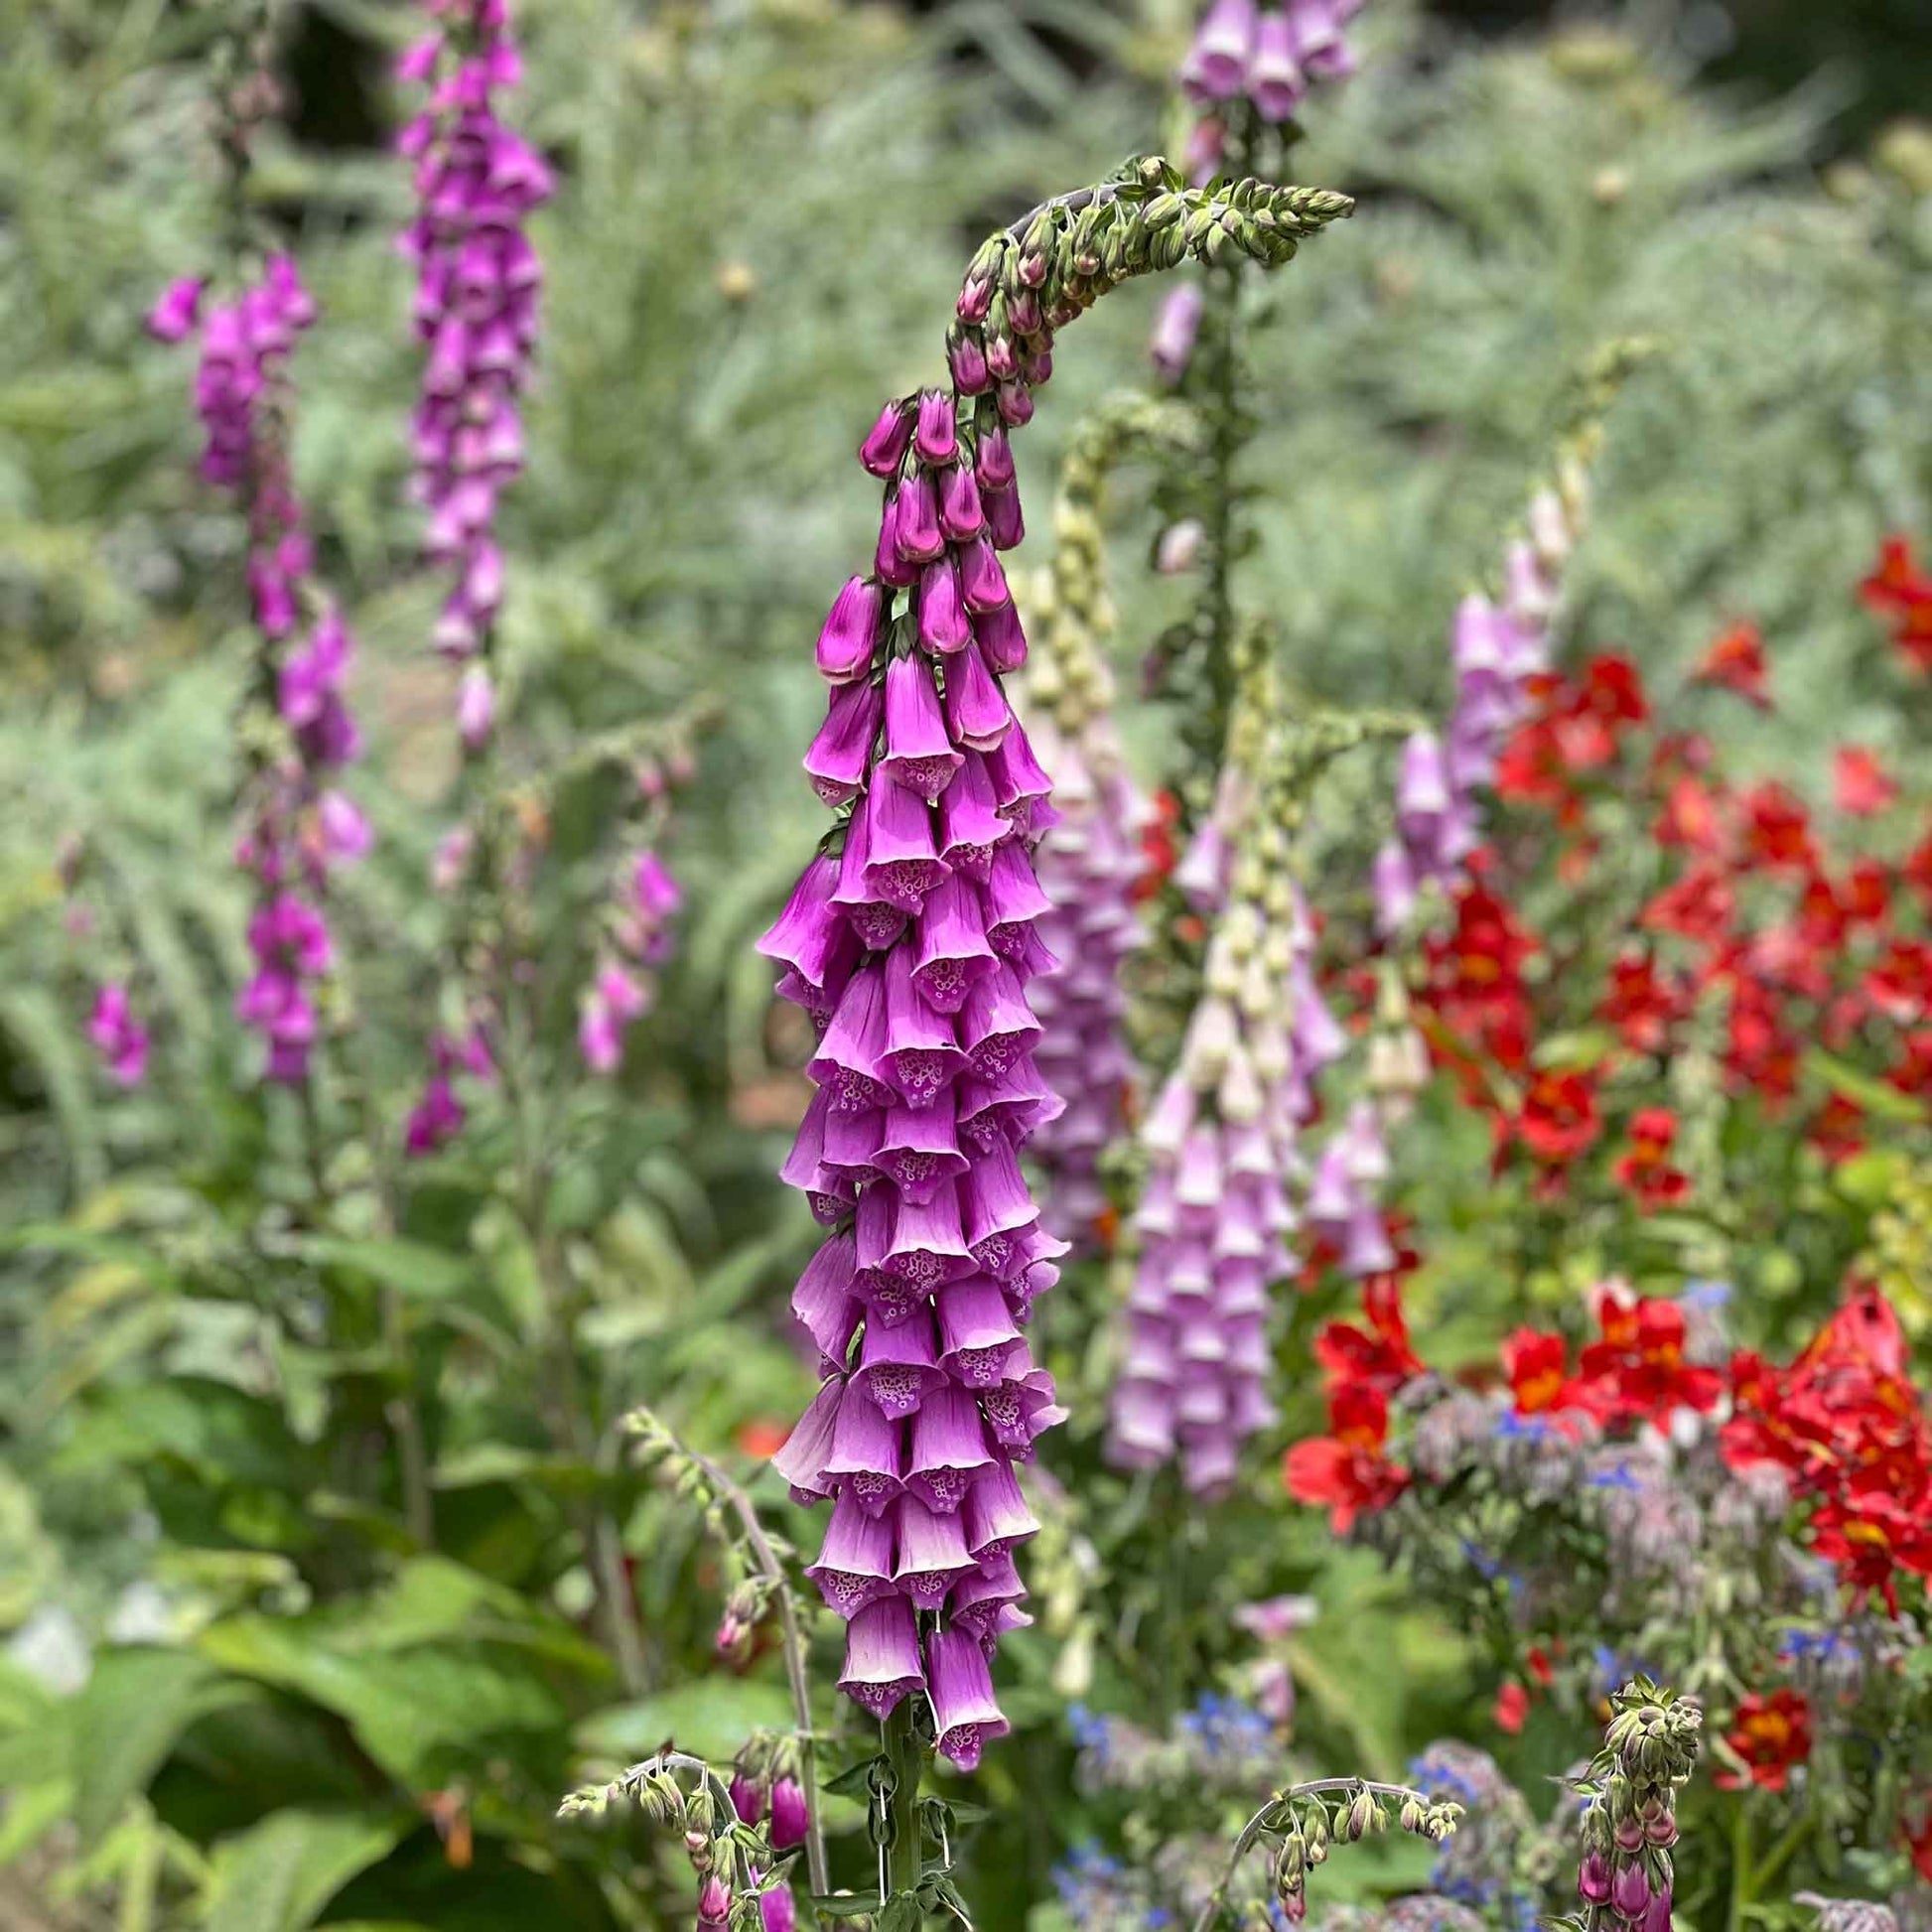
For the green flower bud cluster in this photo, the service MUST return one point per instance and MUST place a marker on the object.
(1650, 1749)
(1071, 615)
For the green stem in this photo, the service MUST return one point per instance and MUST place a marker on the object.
(905, 1857)
(1741, 1876)
(1780, 1855)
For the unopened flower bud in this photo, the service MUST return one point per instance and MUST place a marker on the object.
(1360, 1813)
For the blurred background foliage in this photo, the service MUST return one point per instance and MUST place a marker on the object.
(240, 1693)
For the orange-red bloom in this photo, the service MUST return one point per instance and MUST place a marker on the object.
(1638, 1370)
(1861, 786)
(1377, 1357)
(1346, 1470)
(1771, 1735)
(1646, 1169)
(1735, 662)
(1559, 1118)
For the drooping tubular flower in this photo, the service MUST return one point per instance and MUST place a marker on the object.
(1499, 650)
(297, 825)
(1090, 864)
(119, 1036)
(912, 940)
(477, 279)
(1221, 1136)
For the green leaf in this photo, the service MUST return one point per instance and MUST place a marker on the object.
(855, 1781)
(1871, 1179)
(903, 1913)
(32, 1811)
(127, 1719)
(278, 1876)
(1876, 1096)
(709, 1720)
(856, 1904)
(411, 1268)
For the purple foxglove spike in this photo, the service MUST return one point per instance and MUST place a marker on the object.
(961, 514)
(948, 1449)
(174, 315)
(1011, 910)
(898, 1366)
(901, 865)
(1197, 1182)
(1394, 885)
(978, 1600)
(1176, 326)
(1208, 1464)
(936, 436)
(800, 1461)
(978, 715)
(1200, 1340)
(1003, 360)
(932, 1553)
(887, 442)
(804, 1167)
(1318, 41)
(1002, 638)
(1631, 1892)
(810, 935)
(1006, 524)
(1217, 64)
(942, 621)
(1190, 1268)
(975, 299)
(954, 954)
(824, 1302)
(1333, 1201)
(1202, 874)
(1240, 1288)
(1529, 595)
(921, 1056)
(1018, 1412)
(850, 633)
(119, 1038)
(983, 585)
(917, 528)
(919, 1149)
(777, 1911)
(1166, 1127)
(1141, 1430)
(1201, 1401)
(882, 1656)
(928, 1246)
(1422, 790)
(853, 1044)
(978, 1338)
(748, 1799)
(994, 1201)
(837, 757)
(1158, 1212)
(996, 1515)
(1275, 81)
(1656, 1917)
(966, 358)
(1594, 1880)
(918, 754)
(868, 1455)
(992, 460)
(1238, 1233)
(970, 825)
(1365, 1244)
(876, 922)
(1014, 403)
(873, 1229)
(855, 1563)
(888, 563)
(996, 1025)
(965, 1713)
(1018, 779)
(1318, 1036)
(851, 1141)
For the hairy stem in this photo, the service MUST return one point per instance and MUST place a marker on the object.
(905, 1860)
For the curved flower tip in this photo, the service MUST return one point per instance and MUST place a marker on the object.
(174, 315)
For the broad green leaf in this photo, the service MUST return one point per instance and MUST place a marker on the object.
(32, 1810)
(411, 1268)
(128, 1719)
(278, 1876)
(1876, 1096)
(712, 1720)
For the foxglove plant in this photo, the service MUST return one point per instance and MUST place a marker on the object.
(910, 939)
(477, 278)
(1090, 862)
(296, 727)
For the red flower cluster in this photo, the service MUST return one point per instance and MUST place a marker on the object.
(1900, 592)
(1646, 1169)
(1578, 727)
(1476, 982)
(1844, 1423)
(1348, 1470)
(1770, 1734)
(1735, 662)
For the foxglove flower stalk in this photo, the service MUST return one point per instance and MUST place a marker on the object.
(297, 825)
(912, 940)
(477, 278)
(119, 1036)
(638, 925)
(1090, 862)
(1499, 650)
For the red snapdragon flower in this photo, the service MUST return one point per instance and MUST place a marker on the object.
(1512, 1707)
(1899, 982)
(1476, 976)
(1777, 828)
(1346, 1470)
(1735, 662)
(1837, 1130)
(1860, 786)
(1646, 1170)
(1641, 1003)
(1559, 1120)
(1539, 1382)
(1692, 818)
(1898, 591)
(1377, 1357)
(1637, 1369)
(1159, 852)
(1697, 907)
(1771, 1735)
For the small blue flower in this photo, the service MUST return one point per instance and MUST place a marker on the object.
(1619, 1475)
